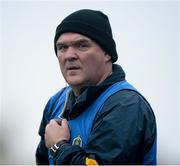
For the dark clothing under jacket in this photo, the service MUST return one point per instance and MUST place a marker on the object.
(126, 122)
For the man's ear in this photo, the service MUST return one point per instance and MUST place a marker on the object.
(108, 57)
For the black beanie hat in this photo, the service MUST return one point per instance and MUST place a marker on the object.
(93, 24)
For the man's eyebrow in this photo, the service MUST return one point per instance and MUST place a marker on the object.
(72, 42)
(82, 40)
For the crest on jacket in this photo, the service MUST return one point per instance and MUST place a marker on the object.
(77, 141)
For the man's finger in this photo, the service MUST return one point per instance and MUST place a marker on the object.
(58, 121)
(52, 122)
(64, 123)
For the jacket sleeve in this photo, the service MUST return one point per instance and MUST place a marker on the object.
(127, 132)
(123, 133)
(42, 151)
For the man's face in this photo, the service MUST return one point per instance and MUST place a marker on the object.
(82, 61)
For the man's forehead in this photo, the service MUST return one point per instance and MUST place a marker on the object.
(71, 36)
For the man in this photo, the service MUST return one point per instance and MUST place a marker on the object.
(99, 118)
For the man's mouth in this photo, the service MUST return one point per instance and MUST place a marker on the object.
(73, 68)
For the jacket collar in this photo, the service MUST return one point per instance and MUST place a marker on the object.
(91, 93)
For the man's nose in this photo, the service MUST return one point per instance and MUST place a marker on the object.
(71, 53)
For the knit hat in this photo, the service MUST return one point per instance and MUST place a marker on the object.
(93, 24)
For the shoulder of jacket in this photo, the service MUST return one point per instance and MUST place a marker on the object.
(125, 100)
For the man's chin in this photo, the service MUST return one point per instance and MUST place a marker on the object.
(74, 82)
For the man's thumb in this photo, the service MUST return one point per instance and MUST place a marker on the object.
(64, 123)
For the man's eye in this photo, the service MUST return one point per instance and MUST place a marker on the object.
(83, 46)
(62, 48)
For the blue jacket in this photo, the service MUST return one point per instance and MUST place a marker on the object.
(134, 143)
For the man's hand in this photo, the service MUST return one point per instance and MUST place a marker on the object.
(55, 132)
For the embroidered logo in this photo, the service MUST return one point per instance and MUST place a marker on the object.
(77, 141)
